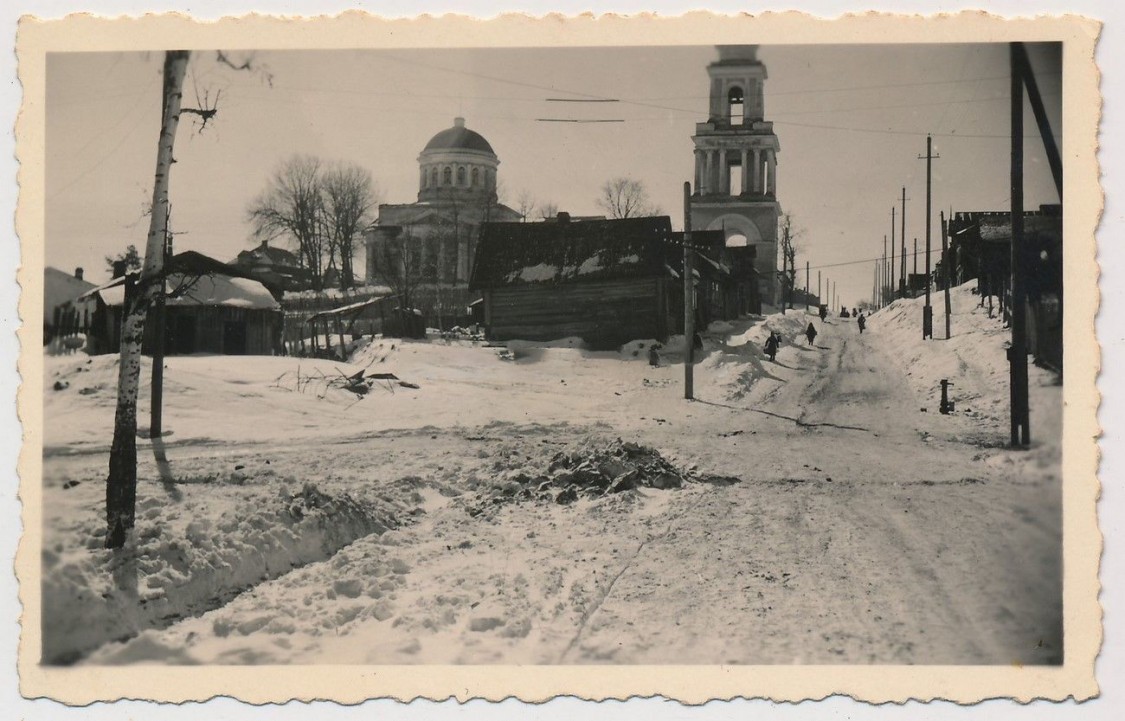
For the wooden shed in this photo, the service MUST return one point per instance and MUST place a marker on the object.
(605, 281)
(211, 308)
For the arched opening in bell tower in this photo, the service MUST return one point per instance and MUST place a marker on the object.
(735, 106)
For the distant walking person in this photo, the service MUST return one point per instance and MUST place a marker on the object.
(654, 355)
(810, 333)
(772, 344)
(862, 323)
(823, 312)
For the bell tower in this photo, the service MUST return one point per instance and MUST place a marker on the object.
(736, 164)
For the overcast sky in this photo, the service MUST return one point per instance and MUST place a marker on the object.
(851, 121)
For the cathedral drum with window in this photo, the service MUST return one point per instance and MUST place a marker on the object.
(424, 250)
(736, 167)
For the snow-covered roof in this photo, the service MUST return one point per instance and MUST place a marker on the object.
(192, 290)
(563, 251)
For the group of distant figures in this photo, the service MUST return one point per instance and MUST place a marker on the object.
(773, 342)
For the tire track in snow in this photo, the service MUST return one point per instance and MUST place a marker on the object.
(594, 608)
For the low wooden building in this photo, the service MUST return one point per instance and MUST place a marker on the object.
(210, 308)
(980, 247)
(605, 281)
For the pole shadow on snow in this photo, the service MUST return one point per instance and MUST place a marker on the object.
(164, 468)
(791, 419)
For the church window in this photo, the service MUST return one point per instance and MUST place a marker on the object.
(461, 175)
(425, 178)
(735, 105)
(476, 177)
(433, 177)
(447, 176)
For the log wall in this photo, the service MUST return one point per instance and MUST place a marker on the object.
(605, 314)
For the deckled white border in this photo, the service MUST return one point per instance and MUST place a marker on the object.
(1067, 123)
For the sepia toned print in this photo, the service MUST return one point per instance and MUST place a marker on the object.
(738, 361)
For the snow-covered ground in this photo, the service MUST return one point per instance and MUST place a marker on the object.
(294, 522)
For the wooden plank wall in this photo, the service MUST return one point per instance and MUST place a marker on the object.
(605, 314)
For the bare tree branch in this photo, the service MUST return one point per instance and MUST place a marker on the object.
(626, 198)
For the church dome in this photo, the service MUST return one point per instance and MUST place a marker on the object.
(459, 138)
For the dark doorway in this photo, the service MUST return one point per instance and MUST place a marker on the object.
(181, 335)
(234, 337)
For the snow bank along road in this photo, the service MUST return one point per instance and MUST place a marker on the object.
(863, 530)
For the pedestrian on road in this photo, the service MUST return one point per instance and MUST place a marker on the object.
(862, 323)
(824, 312)
(772, 344)
(810, 333)
(654, 355)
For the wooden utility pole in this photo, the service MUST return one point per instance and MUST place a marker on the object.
(915, 256)
(689, 301)
(902, 270)
(883, 286)
(927, 310)
(892, 251)
(902, 234)
(945, 273)
(883, 281)
(156, 395)
(806, 286)
(1017, 354)
(819, 297)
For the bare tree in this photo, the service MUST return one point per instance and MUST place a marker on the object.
(525, 204)
(121, 484)
(349, 195)
(140, 293)
(292, 206)
(788, 259)
(626, 198)
(398, 263)
(548, 210)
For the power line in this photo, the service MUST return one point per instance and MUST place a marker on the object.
(579, 120)
(857, 262)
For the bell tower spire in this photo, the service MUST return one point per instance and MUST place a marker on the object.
(735, 187)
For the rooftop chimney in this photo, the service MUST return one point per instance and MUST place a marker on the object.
(458, 122)
(78, 273)
(563, 217)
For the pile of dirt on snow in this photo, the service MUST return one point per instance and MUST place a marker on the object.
(594, 468)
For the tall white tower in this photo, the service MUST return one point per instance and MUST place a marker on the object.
(736, 163)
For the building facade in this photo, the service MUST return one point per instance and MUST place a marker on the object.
(736, 164)
(424, 251)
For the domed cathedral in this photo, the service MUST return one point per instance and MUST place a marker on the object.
(736, 165)
(424, 251)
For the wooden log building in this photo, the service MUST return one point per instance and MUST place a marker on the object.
(210, 306)
(605, 281)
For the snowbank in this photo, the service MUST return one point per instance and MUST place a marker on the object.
(185, 557)
(974, 359)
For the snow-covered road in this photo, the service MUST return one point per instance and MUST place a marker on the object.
(863, 530)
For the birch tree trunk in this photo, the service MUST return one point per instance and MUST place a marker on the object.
(121, 485)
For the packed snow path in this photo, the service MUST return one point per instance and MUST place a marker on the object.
(863, 530)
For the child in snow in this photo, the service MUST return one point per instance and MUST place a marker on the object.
(862, 323)
(772, 344)
(654, 355)
(810, 333)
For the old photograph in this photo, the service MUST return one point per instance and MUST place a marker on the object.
(712, 354)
